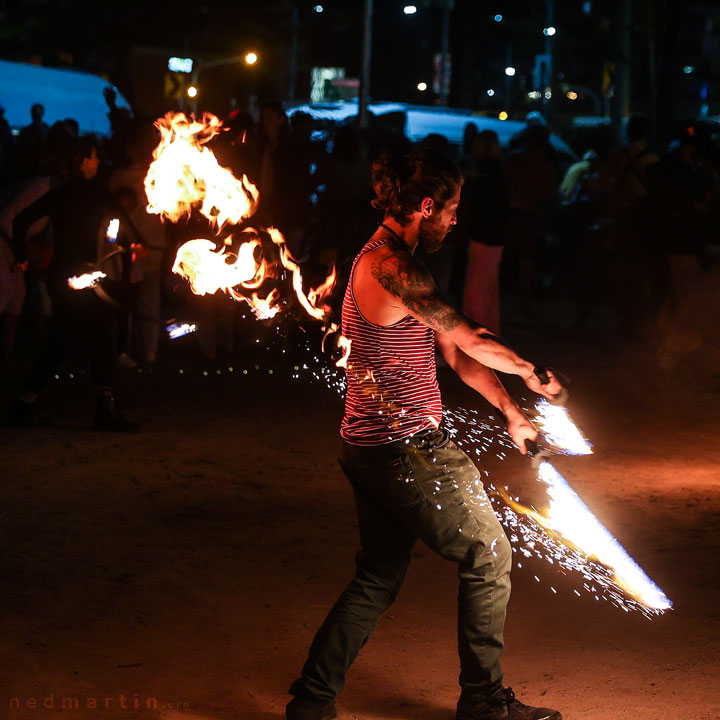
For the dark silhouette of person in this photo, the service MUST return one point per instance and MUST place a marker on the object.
(81, 321)
(31, 142)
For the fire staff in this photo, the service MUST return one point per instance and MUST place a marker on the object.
(410, 480)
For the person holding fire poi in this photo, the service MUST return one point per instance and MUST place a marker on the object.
(77, 208)
(410, 480)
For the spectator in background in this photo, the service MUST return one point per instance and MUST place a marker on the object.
(623, 178)
(482, 216)
(77, 210)
(623, 193)
(31, 142)
(531, 182)
(467, 160)
(283, 183)
(128, 185)
(345, 202)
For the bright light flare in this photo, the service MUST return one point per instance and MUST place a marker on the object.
(176, 330)
(559, 430)
(86, 280)
(112, 230)
(185, 175)
(570, 518)
(251, 58)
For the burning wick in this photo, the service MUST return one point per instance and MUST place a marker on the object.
(86, 280)
(559, 430)
(112, 230)
(176, 330)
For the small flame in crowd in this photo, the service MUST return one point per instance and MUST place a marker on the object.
(112, 230)
(570, 518)
(185, 175)
(176, 330)
(86, 280)
(559, 430)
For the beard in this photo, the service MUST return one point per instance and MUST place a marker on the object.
(431, 234)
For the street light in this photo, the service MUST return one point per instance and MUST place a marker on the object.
(510, 71)
(192, 91)
(549, 31)
(422, 86)
(502, 115)
(251, 58)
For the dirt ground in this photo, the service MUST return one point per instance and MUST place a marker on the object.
(190, 565)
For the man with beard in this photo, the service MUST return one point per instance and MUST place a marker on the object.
(410, 480)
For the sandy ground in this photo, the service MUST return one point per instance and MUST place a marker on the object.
(192, 563)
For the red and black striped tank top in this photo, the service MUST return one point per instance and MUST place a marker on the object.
(392, 391)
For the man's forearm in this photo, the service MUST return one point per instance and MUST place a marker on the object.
(482, 379)
(489, 351)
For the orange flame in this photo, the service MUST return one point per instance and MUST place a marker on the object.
(185, 175)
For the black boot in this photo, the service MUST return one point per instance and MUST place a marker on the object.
(108, 416)
(502, 705)
(301, 709)
(24, 414)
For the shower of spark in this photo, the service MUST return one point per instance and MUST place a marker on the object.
(86, 280)
(559, 430)
(569, 518)
(185, 177)
(569, 536)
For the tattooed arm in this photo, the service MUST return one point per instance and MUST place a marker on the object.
(410, 284)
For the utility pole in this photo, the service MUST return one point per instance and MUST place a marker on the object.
(295, 26)
(549, 47)
(621, 104)
(445, 60)
(365, 63)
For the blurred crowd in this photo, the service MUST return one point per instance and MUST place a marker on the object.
(633, 232)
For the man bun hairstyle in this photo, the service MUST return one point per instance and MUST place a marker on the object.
(401, 182)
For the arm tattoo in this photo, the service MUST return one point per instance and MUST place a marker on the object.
(408, 281)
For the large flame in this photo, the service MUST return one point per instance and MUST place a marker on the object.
(185, 175)
(570, 518)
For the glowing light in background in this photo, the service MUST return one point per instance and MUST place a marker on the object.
(111, 232)
(502, 115)
(251, 58)
(498, 18)
(490, 92)
(549, 31)
(192, 91)
(86, 280)
(176, 330)
(410, 9)
(510, 71)
(422, 86)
